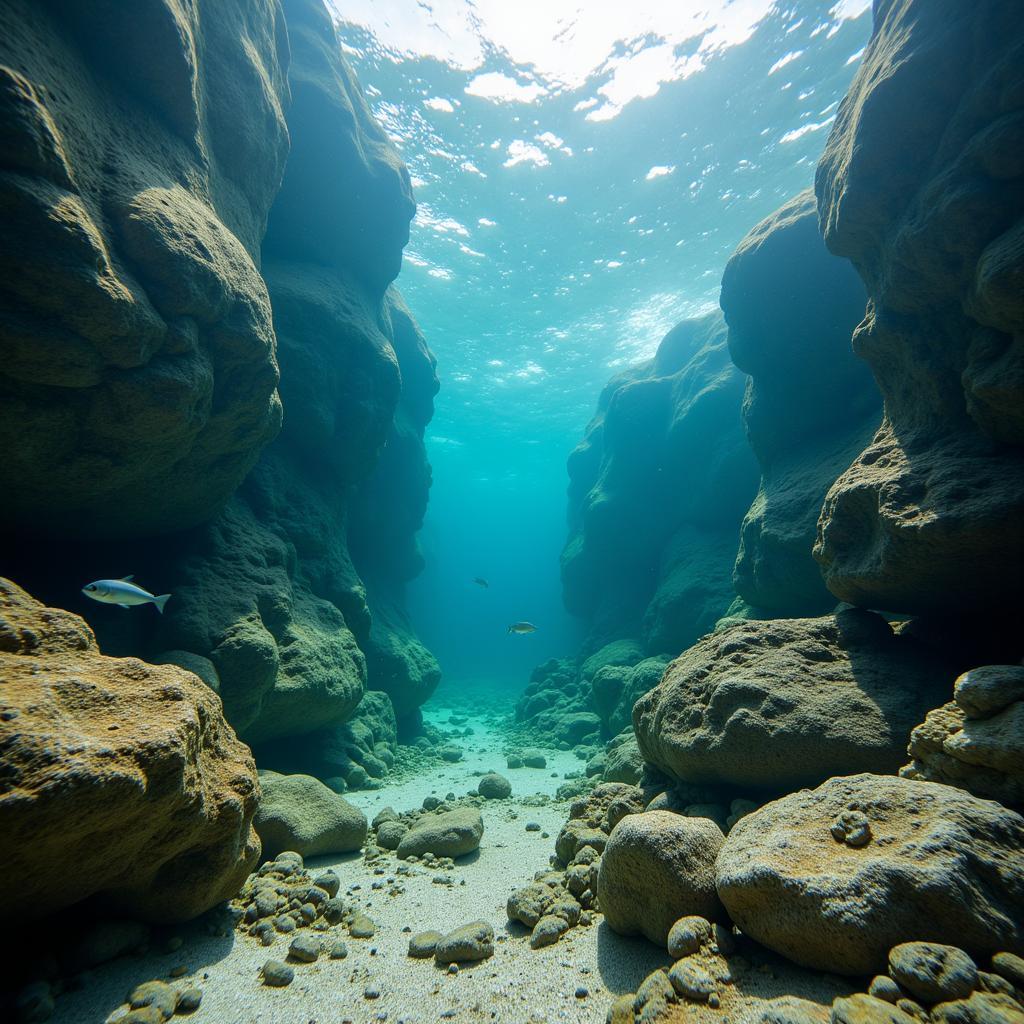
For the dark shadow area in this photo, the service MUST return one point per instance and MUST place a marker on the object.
(624, 962)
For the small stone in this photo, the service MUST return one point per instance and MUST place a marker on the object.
(494, 787)
(430, 803)
(582, 992)
(339, 950)
(851, 827)
(154, 993)
(687, 935)
(188, 1000)
(277, 974)
(329, 882)
(532, 826)
(513, 761)
(423, 944)
(453, 968)
(1009, 966)
(621, 1011)
(371, 992)
(548, 930)
(883, 987)
(912, 1009)
(362, 927)
(334, 910)
(988, 982)
(285, 924)
(304, 948)
(691, 980)
(714, 1001)
(473, 941)
(933, 972)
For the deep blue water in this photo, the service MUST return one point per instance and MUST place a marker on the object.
(563, 227)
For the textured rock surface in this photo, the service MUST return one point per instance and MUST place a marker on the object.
(298, 812)
(942, 866)
(976, 741)
(920, 187)
(120, 780)
(810, 404)
(658, 867)
(773, 705)
(138, 346)
(658, 486)
(269, 591)
(446, 834)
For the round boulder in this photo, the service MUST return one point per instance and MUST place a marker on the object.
(494, 787)
(448, 834)
(298, 812)
(941, 866)
(659, 867)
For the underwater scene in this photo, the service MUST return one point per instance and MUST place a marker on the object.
(512, 511)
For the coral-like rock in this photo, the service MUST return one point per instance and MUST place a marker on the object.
(136, 328)
(121, 781)
(773, 705)
(919, 186)
(977, 740)
(810, 404)
(943, 866)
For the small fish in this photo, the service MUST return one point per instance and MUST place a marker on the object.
(481, 582)
(124, 593)
(522, 627)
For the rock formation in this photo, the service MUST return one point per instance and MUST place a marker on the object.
(121, 781)
(657, 489)
(976, 741)
(927, 862)
(138, 345)
(265, 592)
(920, 187)
(810, 404)
(778, 704)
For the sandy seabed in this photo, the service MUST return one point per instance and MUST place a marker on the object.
(517, 985)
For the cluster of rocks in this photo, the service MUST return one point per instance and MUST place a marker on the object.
(566, 896)
(155, 1001)
(977, 740)
(929, 981)
(283, 899)
(440, 829)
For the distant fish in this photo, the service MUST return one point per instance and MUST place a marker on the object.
(522, 627)
(481, 582)
(124, 593)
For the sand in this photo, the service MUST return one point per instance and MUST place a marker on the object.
(516, 986)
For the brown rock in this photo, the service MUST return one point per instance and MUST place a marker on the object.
(122, 780)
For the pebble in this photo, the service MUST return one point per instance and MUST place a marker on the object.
(932, 972)
(883, 987)
(690, 979)
(453, 968)
(1009, 966)
(362, 927)
(371, 992)
(157, 994)
(532, 826)
(305, 948)
(582, 992)
(687, 935)
(189, 1000)
(339, 950)
(277, 974)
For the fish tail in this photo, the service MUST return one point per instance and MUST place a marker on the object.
(160, 602)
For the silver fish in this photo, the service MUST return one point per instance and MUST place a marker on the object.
(124, 593)
(522, 628)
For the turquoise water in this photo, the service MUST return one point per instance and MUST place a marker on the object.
(576, 199)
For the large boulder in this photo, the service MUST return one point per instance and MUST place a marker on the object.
(136, 328)
(445, 834)
(121, 781)
(657, 489)
(833, 878)
(298, 812)
(658, 867)
(810, 406)
(977, 740)
(919, 186)
(774, 705)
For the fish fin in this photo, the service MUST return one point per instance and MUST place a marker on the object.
(160, 602)
(124, 606)
(127, 579)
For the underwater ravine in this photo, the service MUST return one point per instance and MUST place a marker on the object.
(512, 513)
